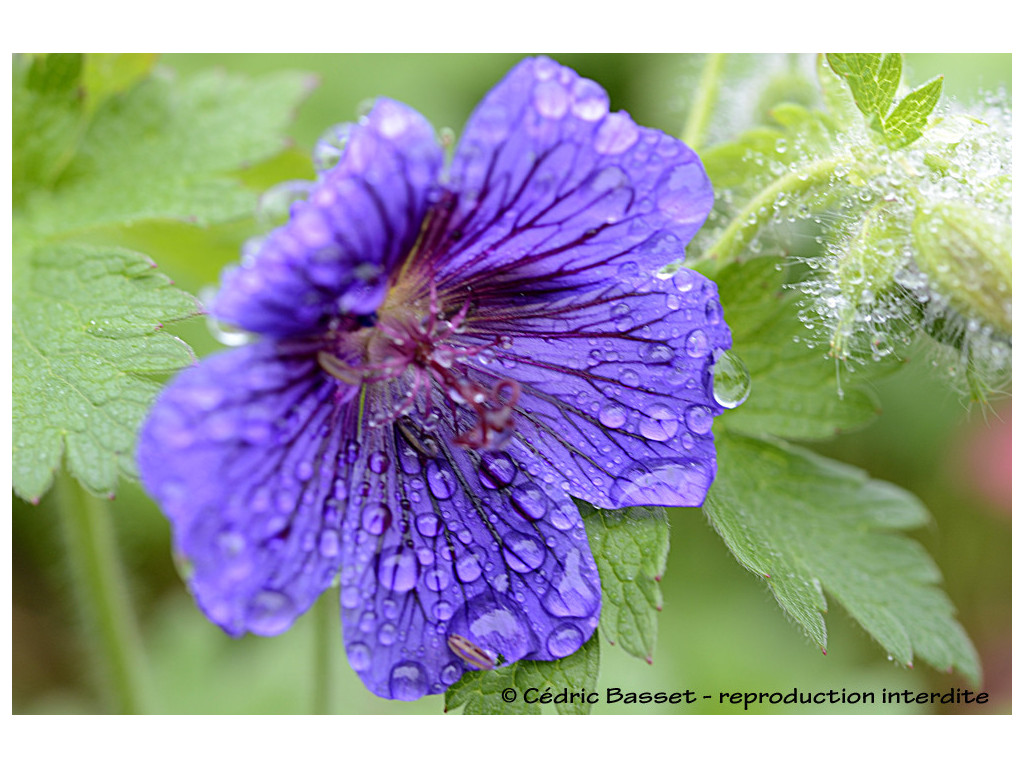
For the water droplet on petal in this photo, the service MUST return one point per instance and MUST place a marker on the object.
(530, 501)
(468, 568)
(376, 518)
(564, 641)
(428, 524)
(270, 612)
(441, 481)
(699, 419)
(451, 673)
(359, 656)
(378, 462)
(551, 99)
(683, 280)
(522, 553)
(697, 344)
(732, 380)
(672, 482)
(659, 423)
(612, 416)
(571, 594)
(436, 579)
(397, 569)
(497, 470)
(408, 681)
(329, 544)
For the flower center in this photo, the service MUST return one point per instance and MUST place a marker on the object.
(417, 344)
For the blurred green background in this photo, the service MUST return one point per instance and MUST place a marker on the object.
(720, 629)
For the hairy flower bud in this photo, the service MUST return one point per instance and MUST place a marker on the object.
(966, 254)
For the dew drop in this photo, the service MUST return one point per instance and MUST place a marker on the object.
(387, 633)
(467, 567)
(441, 481)
(522, 553)
(683, 280)
(270, 612)
(699, 419)
(359, 656)
(616, 133)
(612, 416)
(397, 569)
(659, 423)
(376, 518)
(379, 462)
(329, 543)
(497, 470)
(451, 673)
(732, 380)
(436, 578)
(428, 524)
(697, 344)
(530, 501)
(551, 99)
(564, 641)
(350, 596)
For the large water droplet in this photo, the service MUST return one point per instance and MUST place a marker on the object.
(522, 553)
(732, 380)
(397, 569)
(659, 423)
(329, 543)
(376, 518)
(408, 681)
(612, 416)
(673, 482)
(564, 640)
(616, 133)
(428, 524)
(441, 481)
(497, 470)
(451, 673)
(436, 578)
(468, 568)
(331, 146)
(270, 612)
(551, 99)
(530, 501)
(573, 591)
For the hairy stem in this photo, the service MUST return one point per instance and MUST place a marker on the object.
(746, 223)
(103, 602)
(704, 101)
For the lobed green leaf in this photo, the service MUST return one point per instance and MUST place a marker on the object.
(630, 547)
(87, 335)
(811, 526)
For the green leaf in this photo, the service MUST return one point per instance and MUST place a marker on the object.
(86, 337)
(794, 389)
(481, 692)
(168, 150)
(108, 74)
(47, 124)
(908, 119)
(630, 547)
(811, 526)
(860, 70)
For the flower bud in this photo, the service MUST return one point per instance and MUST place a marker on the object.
(965, 252)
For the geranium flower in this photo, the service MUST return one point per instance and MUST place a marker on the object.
(448, 356)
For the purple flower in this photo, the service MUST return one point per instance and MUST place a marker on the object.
(448, 355)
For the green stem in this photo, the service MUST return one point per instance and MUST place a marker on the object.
(704, 101)
(324, 639)
(745, 224)
(102, 600)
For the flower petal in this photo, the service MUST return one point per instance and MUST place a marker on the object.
(548, 185)
(456, 560)
(340, 245)
(616, 399)
(242, 453)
